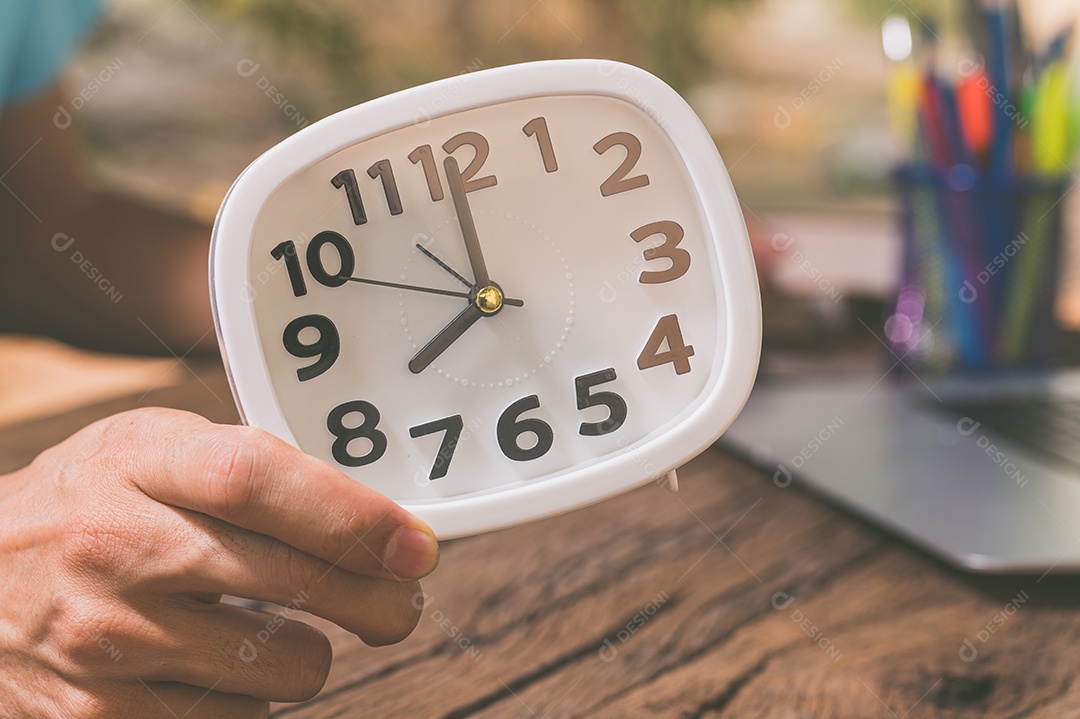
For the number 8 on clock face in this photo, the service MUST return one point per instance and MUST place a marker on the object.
(495, 297)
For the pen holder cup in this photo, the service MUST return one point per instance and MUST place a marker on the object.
(981, 259)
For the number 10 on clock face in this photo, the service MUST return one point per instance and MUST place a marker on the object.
(492, 298)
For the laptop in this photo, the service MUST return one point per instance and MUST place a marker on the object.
(984, 473)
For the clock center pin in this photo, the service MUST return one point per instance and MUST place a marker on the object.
(489, 299)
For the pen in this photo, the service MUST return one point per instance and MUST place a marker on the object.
(1050, 121)
(997, 35)
(976, 113)
(902, 81)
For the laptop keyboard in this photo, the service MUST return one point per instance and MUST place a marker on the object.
(1046, 424)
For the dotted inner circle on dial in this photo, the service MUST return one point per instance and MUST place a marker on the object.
(548, 357)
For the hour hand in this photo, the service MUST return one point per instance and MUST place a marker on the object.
(440, 342)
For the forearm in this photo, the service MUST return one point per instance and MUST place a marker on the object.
(156, 262)
(93, 269)
(111, 273)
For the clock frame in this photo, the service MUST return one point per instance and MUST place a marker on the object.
(733, 370)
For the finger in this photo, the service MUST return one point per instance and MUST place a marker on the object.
(251, 479)
(254, 566)
(225, 648)
(169, 700)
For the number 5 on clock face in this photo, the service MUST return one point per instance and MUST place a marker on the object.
(492, 298)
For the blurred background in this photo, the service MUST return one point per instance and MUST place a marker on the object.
(180, 95)
(178, 120)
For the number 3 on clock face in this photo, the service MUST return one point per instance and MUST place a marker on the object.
(495, 297)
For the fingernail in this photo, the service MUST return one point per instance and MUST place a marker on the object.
(412, 553)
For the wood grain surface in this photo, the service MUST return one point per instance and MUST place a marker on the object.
(732, 598)
(41, 377)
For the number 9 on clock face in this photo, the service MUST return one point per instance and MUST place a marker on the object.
(495, 297)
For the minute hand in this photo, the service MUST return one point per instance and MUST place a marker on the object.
(465, 219)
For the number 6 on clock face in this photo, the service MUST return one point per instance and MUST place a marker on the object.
(492, 298)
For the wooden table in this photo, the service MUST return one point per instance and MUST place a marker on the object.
(731, 598)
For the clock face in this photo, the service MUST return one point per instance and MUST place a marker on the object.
(491, 299)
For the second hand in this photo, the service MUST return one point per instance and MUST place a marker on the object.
(430, 290)
(414, 288)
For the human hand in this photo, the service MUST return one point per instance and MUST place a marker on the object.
(117, 545)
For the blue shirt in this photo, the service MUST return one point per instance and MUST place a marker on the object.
(36, 39)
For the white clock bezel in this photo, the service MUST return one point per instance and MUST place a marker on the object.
(232, 295)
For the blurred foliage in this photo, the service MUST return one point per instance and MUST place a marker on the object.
(932, 10)
(371, 47)
(937, 18)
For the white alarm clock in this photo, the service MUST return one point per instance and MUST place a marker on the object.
(495, 297)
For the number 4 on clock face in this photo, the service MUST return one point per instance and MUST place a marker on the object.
(538, 296)
(678, 353)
